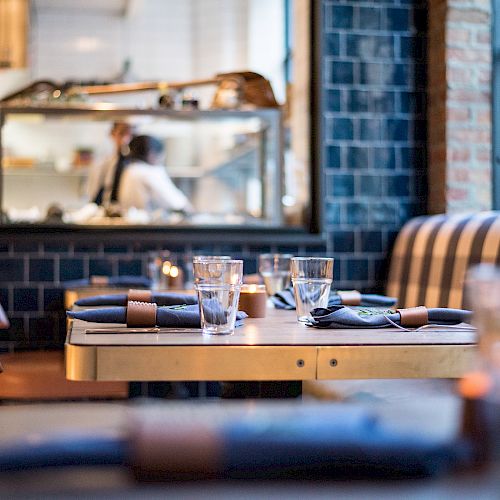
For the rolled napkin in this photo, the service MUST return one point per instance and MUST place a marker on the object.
(123, 281)
(286, 300)
(346, 317)
(121, 299)
(147, 314)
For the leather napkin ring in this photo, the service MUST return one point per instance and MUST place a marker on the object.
(140, 295)
(141, 314)
(414, 316)
(99, 280)
(350, 298)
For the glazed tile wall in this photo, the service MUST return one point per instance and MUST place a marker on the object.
(374, 152)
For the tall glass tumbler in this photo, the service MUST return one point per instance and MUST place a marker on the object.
(312, 279)
(275, 270)
(482, 294)
(189, 269)
(218, 284)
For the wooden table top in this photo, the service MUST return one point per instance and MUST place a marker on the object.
(279, 328)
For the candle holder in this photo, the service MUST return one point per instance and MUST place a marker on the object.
(253, 300)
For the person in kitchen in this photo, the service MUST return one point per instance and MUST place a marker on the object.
(145, 183)
(104, 179)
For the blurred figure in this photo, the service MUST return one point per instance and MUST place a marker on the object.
(145, 183)
(104, 179)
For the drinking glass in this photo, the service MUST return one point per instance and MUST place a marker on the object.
(218, 284)
(275, 270)
(211, 257)
(482, 294)
(312, 279)
(159, 267)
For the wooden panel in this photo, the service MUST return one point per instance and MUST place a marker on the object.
(206, 363)
(365, 362)
(40, 375)
(14, 15)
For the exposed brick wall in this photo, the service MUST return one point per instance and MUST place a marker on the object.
(459, 112)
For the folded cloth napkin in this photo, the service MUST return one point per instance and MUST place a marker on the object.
(346, 317)
(286, 300)
(124, 281)
(121, 299)
(170, 317)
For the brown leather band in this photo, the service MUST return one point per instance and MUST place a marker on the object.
(99, 280)
(414, 316)
(140, 295)
(349, 297)
(141, 314)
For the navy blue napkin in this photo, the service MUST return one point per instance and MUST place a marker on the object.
(120, 299)
(123, 281)
(346, 317)
(168, 317)
(286, 300)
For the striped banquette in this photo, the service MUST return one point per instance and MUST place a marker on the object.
(432, 254)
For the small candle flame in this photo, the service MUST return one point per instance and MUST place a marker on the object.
(165, 269)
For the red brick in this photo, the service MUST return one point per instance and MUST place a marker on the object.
(468, 55)
(483, 37)
(484, 76)
(459, 154)
(458, 174)
(457, 114)
(461, 95)
(483, 116)
(468, 16)
(458, 36)
(470, 136)
(457, 194)
(483, 155)
(460, 75)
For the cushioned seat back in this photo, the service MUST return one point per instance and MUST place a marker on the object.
(432, 254)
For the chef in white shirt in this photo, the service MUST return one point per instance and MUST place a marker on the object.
(144, 183)
(105, 177)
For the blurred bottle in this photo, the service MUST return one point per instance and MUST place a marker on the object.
(480, 388)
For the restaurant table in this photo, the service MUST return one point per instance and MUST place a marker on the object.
(276, 348)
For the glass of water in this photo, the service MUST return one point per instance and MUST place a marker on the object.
(275, 270)
(218, 284)
(312, 279)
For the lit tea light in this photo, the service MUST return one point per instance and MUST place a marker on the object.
(253, 299)
(166, 267)
(176, 278)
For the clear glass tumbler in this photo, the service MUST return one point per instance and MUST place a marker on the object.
(275, 270)
(159, 267)
(312, 279)
(482, 295)
(218, 284)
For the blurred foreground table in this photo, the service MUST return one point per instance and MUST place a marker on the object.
(438, 414)
(273, 348)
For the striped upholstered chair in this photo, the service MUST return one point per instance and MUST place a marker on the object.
(432, 254)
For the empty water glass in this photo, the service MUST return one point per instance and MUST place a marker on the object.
(275, 270)
(483, 297)
(218, 284)
(312, 279)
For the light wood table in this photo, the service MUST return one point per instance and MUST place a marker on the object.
(273, 348)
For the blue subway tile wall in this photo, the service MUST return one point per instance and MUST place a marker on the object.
(374, 150)
(31, 280)
(373, 171)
